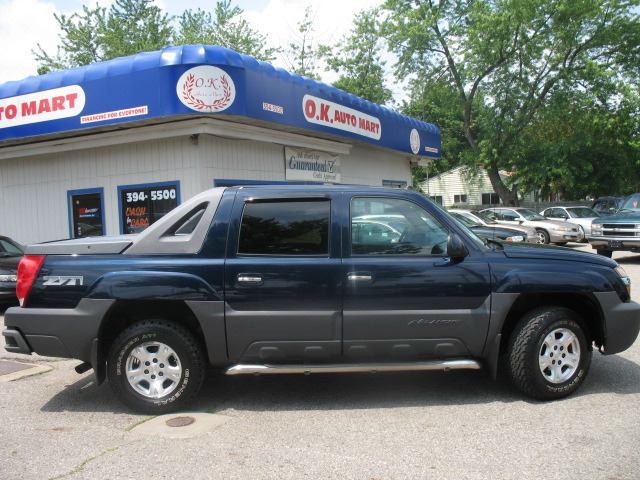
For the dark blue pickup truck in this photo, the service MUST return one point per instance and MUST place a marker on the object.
(304, 279)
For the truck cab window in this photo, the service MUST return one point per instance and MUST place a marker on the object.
(285, 228)
(389, 226)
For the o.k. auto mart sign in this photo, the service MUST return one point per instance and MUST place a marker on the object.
(311, 166)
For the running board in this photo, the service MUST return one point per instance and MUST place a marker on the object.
(444, 365)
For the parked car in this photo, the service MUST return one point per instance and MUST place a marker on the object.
(486, 220)
(608, 205)
(11, 253)
(582, 216)
(548, 231)
(619, 231)
(493, 232)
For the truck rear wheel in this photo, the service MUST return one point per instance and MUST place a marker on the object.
(156, 366)
(548, 354)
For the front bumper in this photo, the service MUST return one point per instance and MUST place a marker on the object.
(609, 242)
(561, 237)
(622, 322)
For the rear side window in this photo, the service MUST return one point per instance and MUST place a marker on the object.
(285, 228)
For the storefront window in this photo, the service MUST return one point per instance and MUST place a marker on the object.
(86, 213)
(143, 205)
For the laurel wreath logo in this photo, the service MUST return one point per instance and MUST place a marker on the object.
(198, 104)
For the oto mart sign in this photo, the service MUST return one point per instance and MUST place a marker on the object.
(42, 106)
(311, 166)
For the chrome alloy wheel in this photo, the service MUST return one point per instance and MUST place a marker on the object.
(153, 369)
(559, 355)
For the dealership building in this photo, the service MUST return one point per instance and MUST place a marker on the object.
(109, 148)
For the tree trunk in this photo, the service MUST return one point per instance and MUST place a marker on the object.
(509, 197)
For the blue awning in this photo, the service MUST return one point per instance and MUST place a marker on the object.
(200, 80)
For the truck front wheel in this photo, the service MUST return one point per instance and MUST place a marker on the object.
(156, 366)
(548, 354)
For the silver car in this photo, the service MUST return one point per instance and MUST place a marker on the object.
(582, 216)
(485, 219)
(548, 231)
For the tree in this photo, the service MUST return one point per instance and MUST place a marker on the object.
(134, 26)
(303, 53)
(506, 59)
(80, 43)
(357, 59)
(130, 26)
(581, 147)
(225, 28)
(439, 103)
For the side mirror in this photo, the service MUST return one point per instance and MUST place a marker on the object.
(456, 249)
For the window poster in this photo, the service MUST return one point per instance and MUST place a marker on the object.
(87, 215)
(145, 204)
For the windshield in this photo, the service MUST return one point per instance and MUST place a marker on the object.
(466, 221)
(632, 203)
(530, 214)
(581, 212)
(9, 249)
(486, 216)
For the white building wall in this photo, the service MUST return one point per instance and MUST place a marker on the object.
(34, 188)
(459, 182)
(225, 159)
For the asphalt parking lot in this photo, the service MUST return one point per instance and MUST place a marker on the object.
(56, 424)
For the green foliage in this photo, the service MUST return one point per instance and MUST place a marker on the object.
(357, 59)
(133, 26)
(80, 43)
(130, 26)
(582, 147)
(303, 53)
(507, 59)
(224, 28)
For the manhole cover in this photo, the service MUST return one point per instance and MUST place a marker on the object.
(11, 367)
(180, 421)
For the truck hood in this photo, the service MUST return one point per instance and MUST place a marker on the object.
(83, 246)
(622, 216)
(549, 252)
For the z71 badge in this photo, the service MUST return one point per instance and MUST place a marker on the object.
(60, 281)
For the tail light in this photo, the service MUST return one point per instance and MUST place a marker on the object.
(27, 272)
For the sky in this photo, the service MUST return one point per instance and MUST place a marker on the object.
(26, 23)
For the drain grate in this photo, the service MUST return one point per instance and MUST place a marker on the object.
(11, 367)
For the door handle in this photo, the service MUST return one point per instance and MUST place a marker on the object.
(359, 277)
(250, 279)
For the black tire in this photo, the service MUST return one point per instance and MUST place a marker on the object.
(549, 354)
(175, 361)
(543, 236)
(605, 253)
